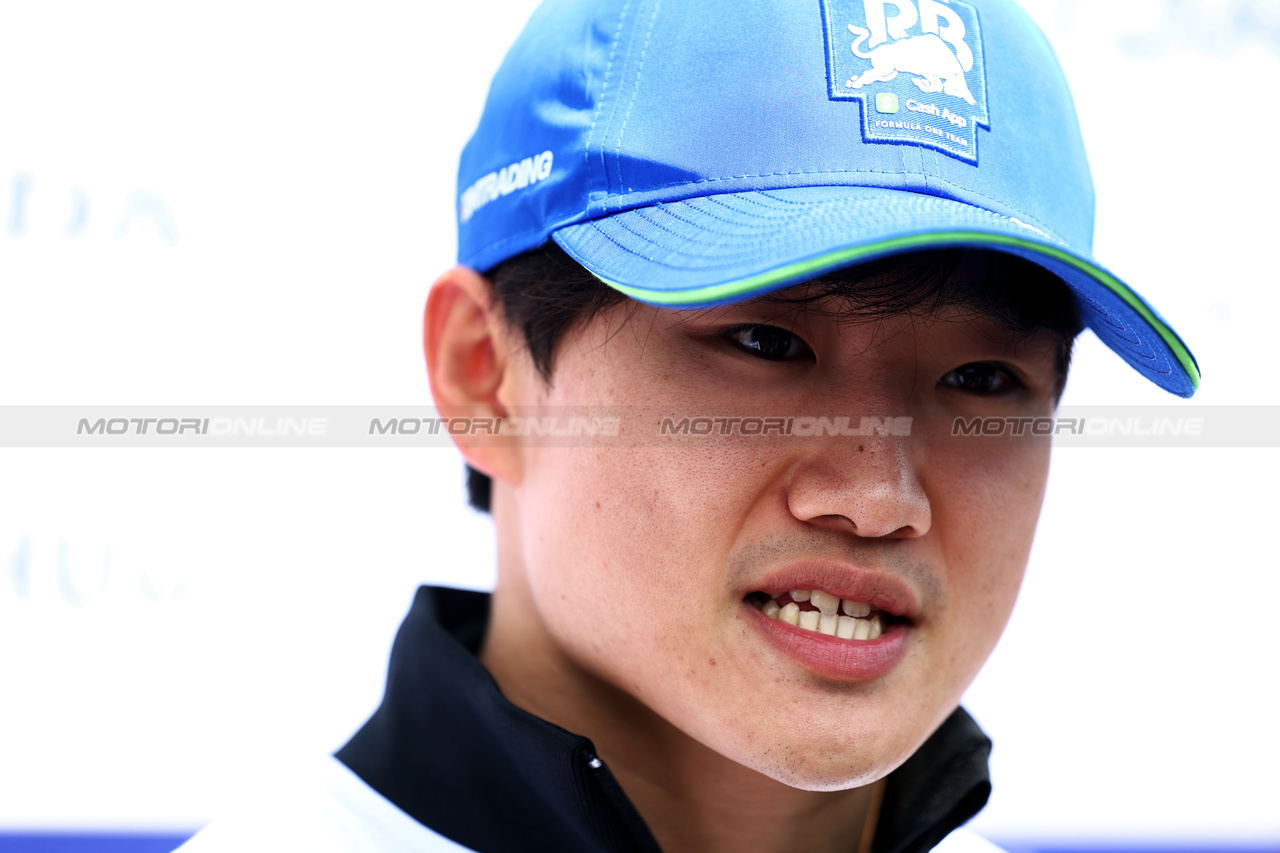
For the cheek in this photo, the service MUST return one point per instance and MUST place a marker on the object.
(987, 521)
(622, 545)
(643, 515)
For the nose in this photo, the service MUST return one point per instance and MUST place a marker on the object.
(872, 488)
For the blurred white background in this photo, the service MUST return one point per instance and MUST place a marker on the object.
(245, 203)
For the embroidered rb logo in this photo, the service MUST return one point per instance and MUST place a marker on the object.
(924, 55)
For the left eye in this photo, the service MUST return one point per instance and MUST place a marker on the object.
(769, 342)
(982, 378)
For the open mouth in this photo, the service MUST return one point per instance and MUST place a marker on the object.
(823, 613)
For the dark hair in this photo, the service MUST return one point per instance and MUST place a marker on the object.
(544, 294)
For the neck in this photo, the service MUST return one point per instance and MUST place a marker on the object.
(696, 800)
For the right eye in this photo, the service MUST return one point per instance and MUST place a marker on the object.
(982, 378)
(769, 342)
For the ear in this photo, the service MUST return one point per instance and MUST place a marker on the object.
(470, 364)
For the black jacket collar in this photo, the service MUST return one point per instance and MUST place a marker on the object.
(451, 752)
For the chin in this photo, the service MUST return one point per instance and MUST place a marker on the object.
(812, 768)
(828, 775)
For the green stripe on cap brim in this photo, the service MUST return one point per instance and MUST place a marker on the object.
(812, 267)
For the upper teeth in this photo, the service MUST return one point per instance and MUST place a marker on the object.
(855, 608)
(825, 601)
(825, 620)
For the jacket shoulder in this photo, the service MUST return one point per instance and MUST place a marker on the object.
(324, 808)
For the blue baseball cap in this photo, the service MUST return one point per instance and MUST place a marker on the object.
(698, 152)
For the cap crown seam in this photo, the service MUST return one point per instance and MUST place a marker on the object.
(595, 119)
(635, 90)
(613, 111)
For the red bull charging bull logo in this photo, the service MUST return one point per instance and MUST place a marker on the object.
(916, 66)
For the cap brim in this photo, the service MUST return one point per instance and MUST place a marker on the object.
(717, 249)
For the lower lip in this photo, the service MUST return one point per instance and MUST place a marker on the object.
(832, 657)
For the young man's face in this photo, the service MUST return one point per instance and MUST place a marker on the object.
(645, 566)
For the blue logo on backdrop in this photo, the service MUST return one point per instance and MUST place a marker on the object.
(916, 66)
